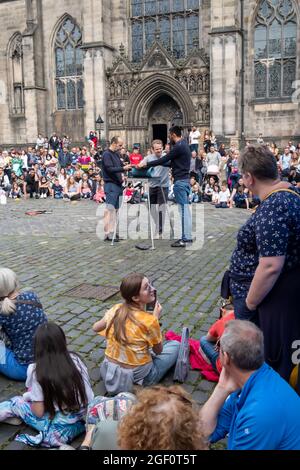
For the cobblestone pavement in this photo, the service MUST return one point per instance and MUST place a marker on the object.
(55, 252)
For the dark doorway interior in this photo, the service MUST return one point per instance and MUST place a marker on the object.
(160, 131)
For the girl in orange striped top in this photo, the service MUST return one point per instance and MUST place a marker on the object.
(135, 353)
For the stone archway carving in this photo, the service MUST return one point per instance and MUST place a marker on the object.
(151, 88)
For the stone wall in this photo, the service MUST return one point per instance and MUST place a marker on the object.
(276, 121)
(12, 20)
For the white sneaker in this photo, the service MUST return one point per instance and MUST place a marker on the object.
(66, 447)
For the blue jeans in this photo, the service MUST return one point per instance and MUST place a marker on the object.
(162, 363)
(9, 365)
(209, 350)
(182, 190)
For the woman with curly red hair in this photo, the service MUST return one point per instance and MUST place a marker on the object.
(162, 419)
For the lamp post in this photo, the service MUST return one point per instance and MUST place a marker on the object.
(99, 122)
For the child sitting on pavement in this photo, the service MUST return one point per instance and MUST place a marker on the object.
(209, 344)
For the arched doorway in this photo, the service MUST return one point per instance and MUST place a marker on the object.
(157, 93)
(163, 113)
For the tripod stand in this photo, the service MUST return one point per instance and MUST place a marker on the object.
(145, 183)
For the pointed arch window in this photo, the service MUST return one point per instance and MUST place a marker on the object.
(69, 66)
(275, 49)
(174, 22)
(16, 71)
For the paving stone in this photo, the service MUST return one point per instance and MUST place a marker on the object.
(200, 397)
(187, 282)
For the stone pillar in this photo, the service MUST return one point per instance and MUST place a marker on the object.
(216, 91)
(33, 65)
(97, 44)
(225, 67)
(230, 77)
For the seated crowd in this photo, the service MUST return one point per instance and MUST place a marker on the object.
(251, 402)
(53, 168)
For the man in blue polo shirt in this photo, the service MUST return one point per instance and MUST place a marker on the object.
(180, 162)
(112, 170)
(251, 404)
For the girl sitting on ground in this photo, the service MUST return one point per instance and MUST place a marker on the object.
(15, 192)
(71, 190)
(132, 333)
(196, 190)
(58, 394)
(100, 193)
(209, 189)
(86, 190)
(20, 315)
(44, 187)
(216, 194)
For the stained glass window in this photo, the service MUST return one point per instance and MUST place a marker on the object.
(275, 49)
(69, 66)
(137, 7)
(260, 80)
(178, 5)
(137, 42)
(275, 79)
(290, 35)
(150, 27)
(60, 62)
(178, 37)
(150, 7)
(192, 30)
(163, 6)
(192, 4)
(175, 21)
(80, 99)
(164, 28)
(289, 72)
(61, 95)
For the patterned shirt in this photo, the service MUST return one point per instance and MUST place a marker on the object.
(21, 325)
(140, 338)
(273, 230)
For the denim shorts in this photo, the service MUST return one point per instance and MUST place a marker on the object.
(113, 194)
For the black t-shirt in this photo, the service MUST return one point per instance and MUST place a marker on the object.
(30, 180)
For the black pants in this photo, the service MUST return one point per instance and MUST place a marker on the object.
(158, 197)
(279, 319)
(32, 188)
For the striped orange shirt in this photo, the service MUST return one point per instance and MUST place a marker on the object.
(140, 339)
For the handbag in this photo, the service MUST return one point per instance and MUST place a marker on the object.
(225, 285)
(183, 363)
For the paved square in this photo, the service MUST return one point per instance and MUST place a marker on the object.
(53, 253)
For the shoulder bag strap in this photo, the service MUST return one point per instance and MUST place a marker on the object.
(29, 302)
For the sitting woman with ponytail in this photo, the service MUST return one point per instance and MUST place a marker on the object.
(58, 392)
(20, 315)
(133, 335)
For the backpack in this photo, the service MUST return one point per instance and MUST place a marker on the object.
(183, 363)
(136, 198)
(105, 413)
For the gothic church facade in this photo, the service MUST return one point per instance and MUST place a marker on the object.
(227, 65)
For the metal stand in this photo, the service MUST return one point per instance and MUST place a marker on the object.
(145, 183)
